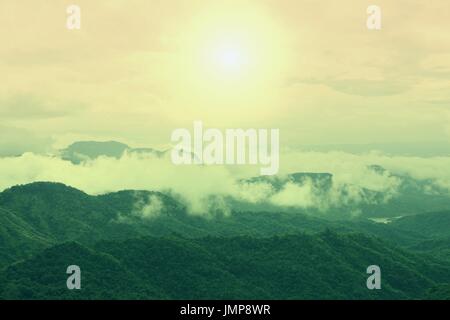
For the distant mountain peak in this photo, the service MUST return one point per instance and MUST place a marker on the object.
(81, 151)
(90, 143)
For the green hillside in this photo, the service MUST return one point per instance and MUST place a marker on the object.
(171, 254)
(18, 239)
(44, 277)
(324, 266)
(435, 224)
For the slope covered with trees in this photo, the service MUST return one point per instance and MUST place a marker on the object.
(128, 251)
(323, 266)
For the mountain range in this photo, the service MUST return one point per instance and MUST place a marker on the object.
(175, 255)
(143, 244)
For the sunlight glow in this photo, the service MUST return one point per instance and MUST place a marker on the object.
(231, 58)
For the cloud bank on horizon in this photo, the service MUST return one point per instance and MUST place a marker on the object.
(197, 185)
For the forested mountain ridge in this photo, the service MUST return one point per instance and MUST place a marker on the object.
(171, 254)
(323, 266)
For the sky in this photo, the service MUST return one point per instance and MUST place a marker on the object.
(137, 70)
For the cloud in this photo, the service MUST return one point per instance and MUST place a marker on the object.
(293, 195)
(204, 188)
(138, 172)
(436, 65)
(15, 141)
(358, 87)
(254, 192)
(29, 106)
(148, 208)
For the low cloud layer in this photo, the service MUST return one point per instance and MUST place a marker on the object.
(203, 188)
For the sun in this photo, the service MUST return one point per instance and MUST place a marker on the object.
(227, 58)
(231, 58)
